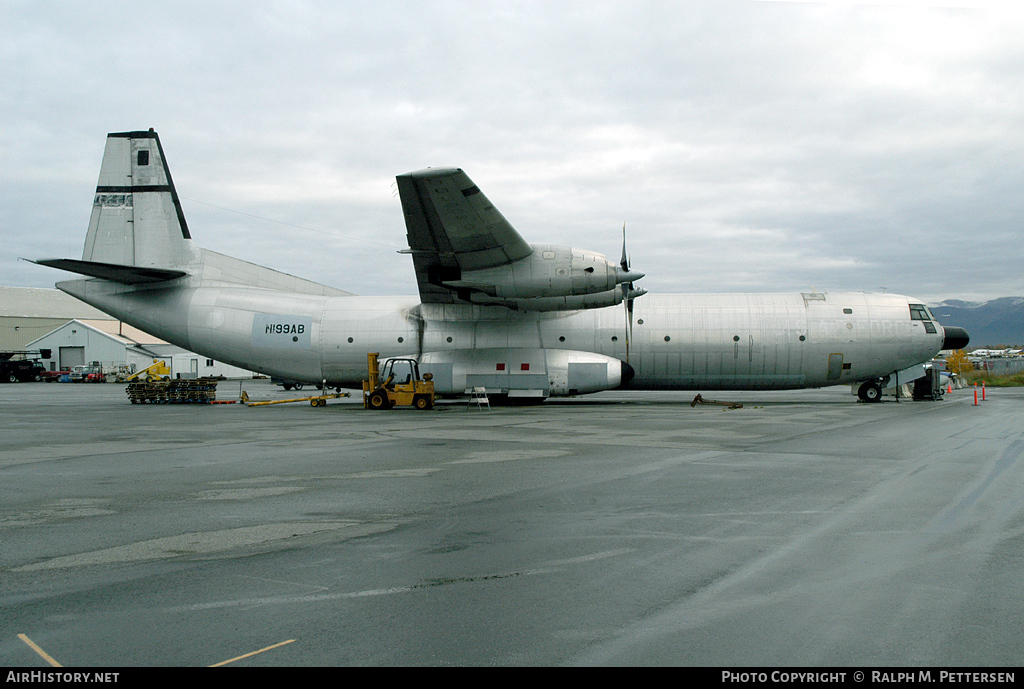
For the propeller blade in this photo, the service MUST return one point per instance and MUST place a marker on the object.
(624, 261)
(629, 309)
(629, 316)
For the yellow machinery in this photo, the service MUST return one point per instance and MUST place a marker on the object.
(398, 384)
(157, 371)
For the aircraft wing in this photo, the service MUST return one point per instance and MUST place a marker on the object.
(452, 227)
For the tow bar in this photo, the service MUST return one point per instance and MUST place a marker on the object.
(700, 400)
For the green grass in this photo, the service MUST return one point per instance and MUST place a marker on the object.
(1013, 380)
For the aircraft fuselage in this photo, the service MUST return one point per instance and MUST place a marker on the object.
(679, 341)
(494, 312)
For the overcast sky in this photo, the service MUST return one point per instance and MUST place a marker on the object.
(748, 146)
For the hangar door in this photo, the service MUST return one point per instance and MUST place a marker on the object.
(71, 357)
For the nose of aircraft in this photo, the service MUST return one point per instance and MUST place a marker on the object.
(955, 338)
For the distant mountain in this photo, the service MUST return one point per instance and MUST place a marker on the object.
(990, 323)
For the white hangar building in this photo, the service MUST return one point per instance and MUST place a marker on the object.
(115, 344)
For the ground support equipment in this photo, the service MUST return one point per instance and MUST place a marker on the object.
(196, 391)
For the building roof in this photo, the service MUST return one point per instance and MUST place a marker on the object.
(37, 302)
(122, 331)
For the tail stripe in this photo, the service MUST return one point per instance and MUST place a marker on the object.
(134, 190)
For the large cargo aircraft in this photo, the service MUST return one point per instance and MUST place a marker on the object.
(493, 311)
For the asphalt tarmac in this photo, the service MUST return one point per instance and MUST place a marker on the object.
(805, 529)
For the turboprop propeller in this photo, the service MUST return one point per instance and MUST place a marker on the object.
(629, 293)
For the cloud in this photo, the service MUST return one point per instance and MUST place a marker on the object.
(754, 146)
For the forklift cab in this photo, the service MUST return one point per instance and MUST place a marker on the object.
(400, 372)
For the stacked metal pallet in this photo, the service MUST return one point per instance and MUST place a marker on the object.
(197, 391)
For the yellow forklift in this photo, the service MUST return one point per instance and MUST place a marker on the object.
(159, 370)
(398, 384)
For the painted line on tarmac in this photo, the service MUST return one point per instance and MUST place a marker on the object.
(45, 656)
(249, 655)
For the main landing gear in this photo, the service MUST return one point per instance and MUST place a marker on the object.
(870, 391)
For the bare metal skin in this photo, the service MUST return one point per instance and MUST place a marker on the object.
(493, 311)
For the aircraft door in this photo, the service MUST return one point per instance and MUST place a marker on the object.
(835, 367)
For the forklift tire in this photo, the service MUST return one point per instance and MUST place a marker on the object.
(378, 400)
(422, 402)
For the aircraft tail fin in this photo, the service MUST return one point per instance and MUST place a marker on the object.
(138, 234)
(136, 216)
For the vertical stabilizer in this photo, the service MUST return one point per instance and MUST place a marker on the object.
(138, 236)
(136, 217)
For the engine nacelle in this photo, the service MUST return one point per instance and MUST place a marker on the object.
(549, 271)
(517, 372)
(570, 303)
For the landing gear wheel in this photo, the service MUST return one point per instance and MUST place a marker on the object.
(870, 391)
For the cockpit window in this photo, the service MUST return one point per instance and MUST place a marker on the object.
(919, 312)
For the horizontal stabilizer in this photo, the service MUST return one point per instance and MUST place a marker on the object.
(128, 275)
